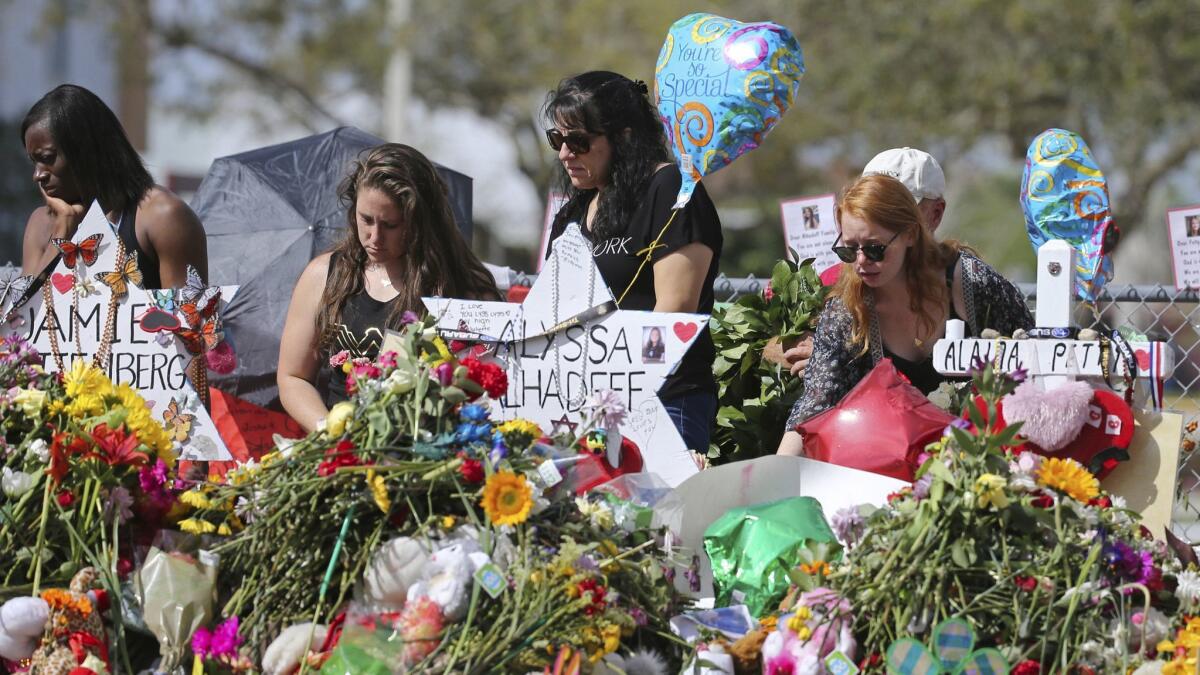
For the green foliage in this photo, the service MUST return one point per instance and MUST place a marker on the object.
(755, 395)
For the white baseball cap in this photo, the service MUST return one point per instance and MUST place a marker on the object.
(918, 170)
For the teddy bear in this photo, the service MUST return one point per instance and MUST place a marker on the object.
(72, 633)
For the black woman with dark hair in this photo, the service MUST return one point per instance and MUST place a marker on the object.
(620, 187)
(80, 154)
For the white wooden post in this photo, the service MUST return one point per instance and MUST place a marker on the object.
(1055, 294)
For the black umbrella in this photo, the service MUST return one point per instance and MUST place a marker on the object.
(267, 213)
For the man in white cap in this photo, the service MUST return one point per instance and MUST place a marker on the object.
(923, 177)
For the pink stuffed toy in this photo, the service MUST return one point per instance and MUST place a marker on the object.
(820, 624)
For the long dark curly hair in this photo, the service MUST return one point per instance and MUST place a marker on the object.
(438, 261)
(603, 102)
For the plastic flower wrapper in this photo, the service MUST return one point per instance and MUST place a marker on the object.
(642, 500)
(753, 549)
(176, 594)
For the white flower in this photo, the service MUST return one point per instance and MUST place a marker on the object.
(1188, 590)
(600, 515)
(39, 449)
(1088, 514)
(16, 483)
(1023, 472)
(606, 405)
(119, 503)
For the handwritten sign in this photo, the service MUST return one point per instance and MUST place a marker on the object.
(1040, 357)
(550, 373)
(155, 366)
(809, 229)
(1183, 230)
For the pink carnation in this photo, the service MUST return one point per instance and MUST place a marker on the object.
(420, 626)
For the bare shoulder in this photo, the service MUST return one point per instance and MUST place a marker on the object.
(39, 224)
(318, 266)
(164, 209)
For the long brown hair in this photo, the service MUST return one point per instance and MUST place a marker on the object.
(437, 262)
(884, 201)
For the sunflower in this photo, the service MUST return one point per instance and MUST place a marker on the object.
(507, 498)
(84, 379)
(1068, 476)
(519, 434)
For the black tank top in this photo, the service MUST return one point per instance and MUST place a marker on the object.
(359, 334)
(921, 373)
(147, 263)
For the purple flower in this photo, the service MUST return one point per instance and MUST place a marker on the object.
(848, 525)
(219, 643)
(408, 317)
(444, 374)
(1019, 375)
(119, 503)
(921, 487)
(639, 616)
(957, 423)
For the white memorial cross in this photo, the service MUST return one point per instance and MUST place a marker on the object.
(158, 370)
(1051, 361)
(596, 347)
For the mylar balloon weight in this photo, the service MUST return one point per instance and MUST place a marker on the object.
(720, 86)
(1064, 196)
(881, 426)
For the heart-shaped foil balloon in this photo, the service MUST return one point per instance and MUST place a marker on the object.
(1065, 196)
(720, 85)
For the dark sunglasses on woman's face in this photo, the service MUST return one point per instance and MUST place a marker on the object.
(874, 252)
(578, 143)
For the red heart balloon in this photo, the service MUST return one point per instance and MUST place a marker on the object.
(62, 281)
(594, 469)
(881, 426)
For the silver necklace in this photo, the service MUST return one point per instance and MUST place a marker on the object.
(385, 279)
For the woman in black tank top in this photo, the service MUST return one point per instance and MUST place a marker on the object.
(402, 244)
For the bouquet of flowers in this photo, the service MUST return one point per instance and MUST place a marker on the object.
(755, 395)
(81, 456)
(1045, 565)
(414, 514)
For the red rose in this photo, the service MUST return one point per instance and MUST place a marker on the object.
(1027, 667)
(338, 456)
(65, 499)
(1103, 502)
(489, 376)
(472, 471)
(124, 567)
(1025, 583)
(1043, 501)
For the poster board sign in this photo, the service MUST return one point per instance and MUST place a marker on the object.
(148, 360)
(1045, 357)
(809, 229)
(552, 372)
(554, 201)
(1183, 231)
(1147, 480)
(709, 494)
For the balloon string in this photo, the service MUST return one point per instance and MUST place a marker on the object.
(647, 253)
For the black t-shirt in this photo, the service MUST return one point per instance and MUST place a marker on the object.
(618, 260)
(359, 334)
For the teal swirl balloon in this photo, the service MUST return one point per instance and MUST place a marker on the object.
(720, 85)
(1064, 195)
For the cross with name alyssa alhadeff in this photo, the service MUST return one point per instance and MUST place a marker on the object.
(595, 347)
(157, 368)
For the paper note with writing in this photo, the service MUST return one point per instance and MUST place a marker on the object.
(1183, 231)
(809, 229)
(1042, 357)
(551, 373)
(146, 349)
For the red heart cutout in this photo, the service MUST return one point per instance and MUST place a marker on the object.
(1143, 359)
(62, 282)
(685, 331)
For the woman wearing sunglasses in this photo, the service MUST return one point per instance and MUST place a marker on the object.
(896, 291)
(620, 186)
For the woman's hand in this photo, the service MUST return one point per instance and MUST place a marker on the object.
(64, 217)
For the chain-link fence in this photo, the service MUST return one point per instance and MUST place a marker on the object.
(1161, 313)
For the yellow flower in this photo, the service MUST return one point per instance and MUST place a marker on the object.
(768, 623)
(536, 576)
(1068, 476)
(196, 526)
(335, 421)
(447, 522)
(195, 499)
(31, 401)
(379, 490)
(804, 612)
(990, 489)
(611, 633)
(795, 623)
(818, 567)
(84, 379)
(223, 530)
(443, 355)
(507, 498)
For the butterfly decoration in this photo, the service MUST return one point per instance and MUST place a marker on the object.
(202, 339)
(88, 250)
(12, 290)
(177, 422)
(202, 306)
(193, 286)
(119, 279)
(164, 299)
(164, 339)
(953, 653)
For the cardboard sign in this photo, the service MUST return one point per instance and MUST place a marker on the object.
(550, 373)
(1183, 230)
(809, 229)
(554, 202)
(1044, 357)
(156, 369)
(1147, 480)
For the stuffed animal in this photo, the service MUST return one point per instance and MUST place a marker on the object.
(284, 653)
(22, 622)
(73, 642)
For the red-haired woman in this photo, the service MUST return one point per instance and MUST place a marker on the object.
(896, 291)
